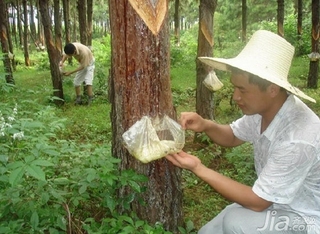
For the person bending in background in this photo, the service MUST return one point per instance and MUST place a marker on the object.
(85, 71)
(285, 134)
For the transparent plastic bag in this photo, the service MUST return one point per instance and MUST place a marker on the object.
(153, 138)
(212, 82)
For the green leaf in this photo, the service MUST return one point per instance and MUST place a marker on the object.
(61, 222)
(139, 223)
(61, 181)
(127, 219)
(34, 124)
(189, 225)
(36, 172)
(91, 176)
(56, 194)
(83, 188)
(29, 159)
(135, 186)
(111, 204)
(15, 165)
(44, 197)
(4, 178)
(42, 162)
(51, 152)
(34, 220)
(4, 158)
(16, 176)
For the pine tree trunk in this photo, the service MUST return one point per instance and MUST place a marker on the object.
(57, 26)
(314, 56)
(25, 34)
(66, 17)
(4, 44)
(177, 22)
(89, 22)
(82, 14)
(244, 21)
(53, 52)
(204, 96)
(140, 85)
(280, 17)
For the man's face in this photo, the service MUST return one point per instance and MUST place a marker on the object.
(250, 99)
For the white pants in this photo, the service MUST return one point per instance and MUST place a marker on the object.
(235, 219)
(85, 75)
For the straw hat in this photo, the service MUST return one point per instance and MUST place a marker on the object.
(266, 55)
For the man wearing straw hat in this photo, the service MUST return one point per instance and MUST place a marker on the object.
(285, 135)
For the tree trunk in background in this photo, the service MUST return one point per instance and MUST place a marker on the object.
(280, 17)
(10, 43)
(244, 21)
(14, 23)
(299, 26)
(4, 44)
(314, 56)
(74, 28)
(82, 14)
(53, 52)
(66, 17)
(33, 31)
(67, 24)
(204, 96)
(18, 2)
(57, 25)
(177, 22)
(25, 34)
(89, 22)
(40, 26)
(140, 85)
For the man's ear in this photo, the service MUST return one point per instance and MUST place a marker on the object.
(273, 90)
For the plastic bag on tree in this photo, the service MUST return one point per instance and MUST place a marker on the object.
(212, 82)
(153, 138)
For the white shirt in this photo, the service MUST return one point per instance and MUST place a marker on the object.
(287, 159)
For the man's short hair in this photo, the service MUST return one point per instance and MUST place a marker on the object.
(69, 49)
(253, 79)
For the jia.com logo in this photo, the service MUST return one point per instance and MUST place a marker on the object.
(275, 222)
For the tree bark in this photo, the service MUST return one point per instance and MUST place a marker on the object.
(10, 44)
(32, 23)
(25, 34)
(82, 14)
(299, 26)
(177, 22)
(89, 22)
(280, 17)
(66, 17)
(19, 22)
(244, 20)
(4, 44)
(314, 56)
(140, 85)
(204, 97)
(53, 52)
(57, 25)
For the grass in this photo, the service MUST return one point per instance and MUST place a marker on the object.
(92, 124)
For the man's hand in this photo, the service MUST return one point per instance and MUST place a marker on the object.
(192, 121)
(184, 160)
(67, 73)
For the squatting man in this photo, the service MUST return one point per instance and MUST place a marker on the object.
(85, 70)
(285, 134)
